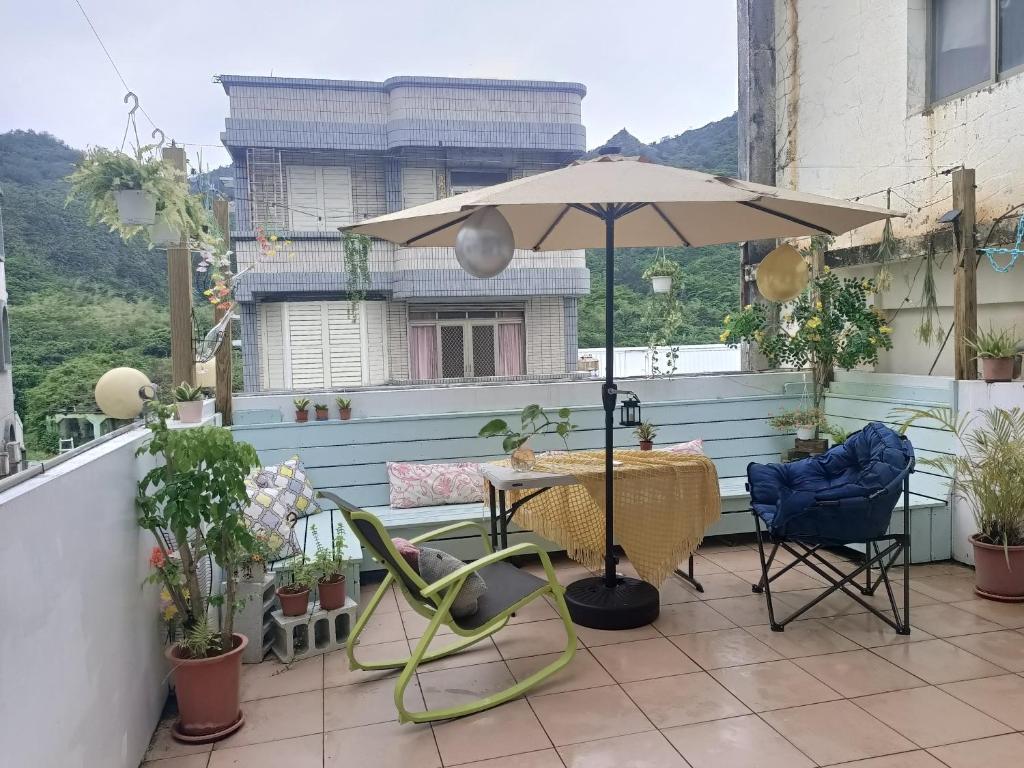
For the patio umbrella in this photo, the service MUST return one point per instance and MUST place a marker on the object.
(614, 200)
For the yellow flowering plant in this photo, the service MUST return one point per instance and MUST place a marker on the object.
(830, 324)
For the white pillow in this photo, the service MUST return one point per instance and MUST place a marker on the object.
(427, 485)
(693, 447)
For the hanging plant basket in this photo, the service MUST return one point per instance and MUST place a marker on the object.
(135, 207)
(661, 283)
(163, 235)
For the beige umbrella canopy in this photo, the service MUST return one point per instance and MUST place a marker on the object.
(663, 206)
(624, 201)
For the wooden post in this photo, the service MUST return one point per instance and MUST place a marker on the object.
(179, 289)
(223, 365)
(965, 278)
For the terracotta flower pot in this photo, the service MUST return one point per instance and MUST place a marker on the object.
(293, 603)
(997, 368)
(321, 414)
(646, 445)
(302, 415)
(332, 593)
(190, 411)
(345, 414)
(994, 578)
(207, 693)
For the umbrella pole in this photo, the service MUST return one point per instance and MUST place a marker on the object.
(611, 601)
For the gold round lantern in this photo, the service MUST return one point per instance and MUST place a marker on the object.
(782, 274)
(121, 393)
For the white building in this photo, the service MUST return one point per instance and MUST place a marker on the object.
(10, 425)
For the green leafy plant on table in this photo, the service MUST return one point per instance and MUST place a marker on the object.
(534, 421)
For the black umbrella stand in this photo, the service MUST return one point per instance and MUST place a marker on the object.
(611, 601)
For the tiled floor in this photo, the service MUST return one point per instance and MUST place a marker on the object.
(707, 686)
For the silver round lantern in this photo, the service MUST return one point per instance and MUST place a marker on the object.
(485, 243)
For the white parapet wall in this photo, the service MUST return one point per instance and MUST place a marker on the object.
(82, 672)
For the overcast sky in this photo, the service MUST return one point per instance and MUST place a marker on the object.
(656, 67)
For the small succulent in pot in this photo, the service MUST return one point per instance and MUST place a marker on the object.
(301, 408)
(646, 433)
(344, 408)
(996, 350)
(294, 597)
(189, 402)
(329, 564)
(321, 411)
(534, 422)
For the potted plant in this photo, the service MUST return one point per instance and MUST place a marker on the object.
(534, 422)
(321, 411)
(806, 422)
(344, 408)
(329, 564)
(987, 468)
(662, 273)
(646, 433)
(253, 565)
(997, 351)
(301, 408)
(188, 401)
(193, 502)
(837, 434)
(294, 597)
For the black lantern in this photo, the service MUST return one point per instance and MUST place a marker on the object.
(630, 411)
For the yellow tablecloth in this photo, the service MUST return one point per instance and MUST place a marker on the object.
(664, 502)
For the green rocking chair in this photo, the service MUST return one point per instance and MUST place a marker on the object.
(508, 590)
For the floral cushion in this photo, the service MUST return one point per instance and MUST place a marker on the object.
(290, 478)
(270, 513)
(409, 552)
(694, 447)
(427, 485)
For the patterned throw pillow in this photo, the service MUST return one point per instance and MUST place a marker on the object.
(269, 514)
(290, 478)
(694, 447)
(427, 485)
(409, 552)
(435, 564)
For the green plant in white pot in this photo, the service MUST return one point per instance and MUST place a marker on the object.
(662, 273)
(988, 472)
(189, 402)
(805, 421)
(534, 422)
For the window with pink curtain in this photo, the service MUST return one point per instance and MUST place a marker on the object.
(423, 351)
(510, 349)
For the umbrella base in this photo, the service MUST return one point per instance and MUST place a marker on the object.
(629, 604)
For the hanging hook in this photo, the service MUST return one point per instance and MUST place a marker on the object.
(159, 143)
(135, 102)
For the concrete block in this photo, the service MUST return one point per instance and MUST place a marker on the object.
(254, 620)
(314, 633)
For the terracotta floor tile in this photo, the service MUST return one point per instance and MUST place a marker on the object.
(746, 611)
(937, 661)
(868, 630)
(930, 717)
(336, 667)
(803, 638)
(538, 610)
(382, 745)
(724, 648)
(999, 697)
(948, 568)
(544, 758)
(272, 678)
(163, 745)
(461, 685)
(582, 672)
(916, 759)
(773, 685)
(737, 559)
(702, 566)
(282, 717)
(301, 752)
(718, 585)
(506, 730)
(836, 604)
(858, 673)
(684, 618)
(946, 589)
(643, 659)
(946, 621)
(185, 761)
(594, 638)
(388, 604)
(738, 742)
(684, 699)
(790, 581)
(1009, 615)
(1004, 648)
(638, 750)
(531, 639)
(482, 652)
(366, 703)
(416, 625)
(836, 732)
(675, 590)
(996, 752)
(383, 628)
(596, 713)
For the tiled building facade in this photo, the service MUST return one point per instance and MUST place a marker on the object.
(311, 155)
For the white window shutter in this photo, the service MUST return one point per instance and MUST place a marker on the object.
(337, 197)
(419, 186)
(272, 346)
(305, 198)
(306, 337)
(344, 346)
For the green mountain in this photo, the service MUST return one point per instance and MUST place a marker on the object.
(711, 148)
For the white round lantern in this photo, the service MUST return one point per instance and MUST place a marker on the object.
(121, 392)
(485, 243)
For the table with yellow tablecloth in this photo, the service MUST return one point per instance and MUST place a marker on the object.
(664, 503)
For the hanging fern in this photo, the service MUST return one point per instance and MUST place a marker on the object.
(929, 331)
(888, 251)
(357, 265)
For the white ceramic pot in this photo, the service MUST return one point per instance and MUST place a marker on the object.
(805, 432)
(135, 207)
(661, 284)
(162, 235)
(190, 411)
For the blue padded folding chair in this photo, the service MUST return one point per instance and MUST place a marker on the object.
(844, 496)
